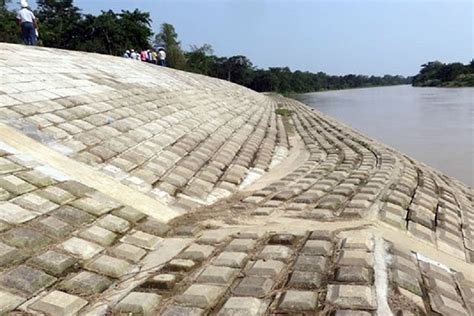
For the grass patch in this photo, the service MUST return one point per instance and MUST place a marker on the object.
(283, 112)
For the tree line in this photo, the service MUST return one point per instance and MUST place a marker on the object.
(436, 74)
(239, 69)
(63, 25)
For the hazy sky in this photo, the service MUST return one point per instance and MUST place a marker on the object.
(337, 37)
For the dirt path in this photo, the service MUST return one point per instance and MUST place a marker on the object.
(297, 156)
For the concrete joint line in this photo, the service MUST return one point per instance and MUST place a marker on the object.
(381, 259)
(85, 174)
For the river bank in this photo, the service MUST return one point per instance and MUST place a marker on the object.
(438, 74)
(295, 95)
(462, 81)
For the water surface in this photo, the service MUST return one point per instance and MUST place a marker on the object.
(433, 125)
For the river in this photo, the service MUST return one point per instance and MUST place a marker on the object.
(433, 125)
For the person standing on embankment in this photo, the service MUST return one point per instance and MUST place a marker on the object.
(28, 24)
(162, 57)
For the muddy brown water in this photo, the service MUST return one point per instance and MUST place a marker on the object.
(433, 125)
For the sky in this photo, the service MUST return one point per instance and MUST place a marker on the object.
(336, 37)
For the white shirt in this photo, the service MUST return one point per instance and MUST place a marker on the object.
(162, 54)
(25, 15)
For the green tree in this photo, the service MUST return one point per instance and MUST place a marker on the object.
(135, 29)
(428, 74)
(108, 32)
(218, 67)
(451, 71)
(63, 26)
(435, 73)
(284, 78)
(169, 38)
(58, 23)
(239, 70)
(9, 30)
(199, 59)
(265, 81)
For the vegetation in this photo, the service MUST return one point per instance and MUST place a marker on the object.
(283, 112)
(437, 74)
(169, 38)
(9, 31)
(239, 69)
(62, 25)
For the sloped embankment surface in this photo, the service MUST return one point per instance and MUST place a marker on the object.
(131, 188)
(175, 136)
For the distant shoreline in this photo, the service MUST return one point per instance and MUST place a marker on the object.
(355, 88)
(438, 74)
(291, 94)
(449, 84)
(446, 87)
(397, 85)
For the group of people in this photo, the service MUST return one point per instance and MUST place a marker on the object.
(28, 24)
(157, 57)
